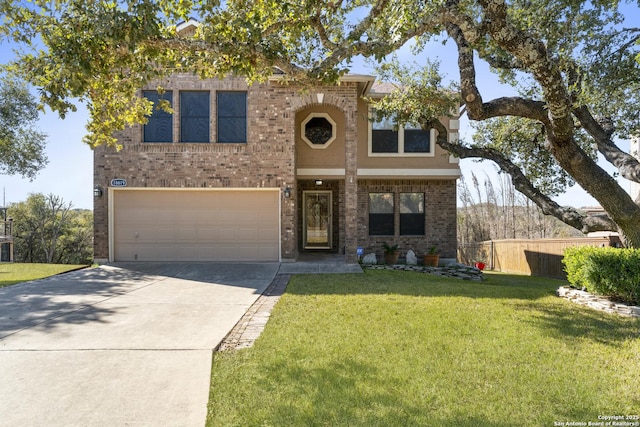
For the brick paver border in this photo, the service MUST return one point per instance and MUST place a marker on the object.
(251, 325)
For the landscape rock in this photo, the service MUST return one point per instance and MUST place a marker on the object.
(456, 272)
(412, 259)
(370, 259)
(597, 302)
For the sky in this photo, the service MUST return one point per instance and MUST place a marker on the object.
(69, 173)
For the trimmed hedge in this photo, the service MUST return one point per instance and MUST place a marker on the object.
(605, 271)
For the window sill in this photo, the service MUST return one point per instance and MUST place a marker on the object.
(180, 147)
(430, 154)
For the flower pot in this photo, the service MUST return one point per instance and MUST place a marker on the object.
(431, 260)
(391, 258)
(480, 265)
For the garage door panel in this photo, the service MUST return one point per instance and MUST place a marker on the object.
(185, 215)
(132, 234)
(267, 252)
(131, 215)
(126, 251)
(166, 238)
(208, 234)
(168, 225)
(187, 252)
(162, 253)
(268, 234)
(163, 215)
(187, 234)
(205, 215)
(248, 236)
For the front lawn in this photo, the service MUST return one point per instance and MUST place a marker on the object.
(391, 348)
(12, 273)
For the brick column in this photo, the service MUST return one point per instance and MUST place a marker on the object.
(101, 175)
(351, 186)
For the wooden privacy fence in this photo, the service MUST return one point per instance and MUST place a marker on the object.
(535, 257)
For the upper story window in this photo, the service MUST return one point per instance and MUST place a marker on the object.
(194, 116)
(159, 127)
(232, 116)
(318, 130)
(387, 139)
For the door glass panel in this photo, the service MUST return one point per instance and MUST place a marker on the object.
(317, 220)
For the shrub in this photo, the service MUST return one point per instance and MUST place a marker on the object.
(575, 259)
(606, 271)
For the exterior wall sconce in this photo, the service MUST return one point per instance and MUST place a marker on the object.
(287, 192)
(97, 191)
(318, 182)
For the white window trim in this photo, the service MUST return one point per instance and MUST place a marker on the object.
(333, 130)
(400, 153)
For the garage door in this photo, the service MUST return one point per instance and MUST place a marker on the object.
(185, 225)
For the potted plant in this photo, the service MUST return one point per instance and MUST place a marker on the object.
(432, 257)
(391, 253)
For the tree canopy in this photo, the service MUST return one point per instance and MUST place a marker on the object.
(572, 62)
(21, 144)
(46, 229)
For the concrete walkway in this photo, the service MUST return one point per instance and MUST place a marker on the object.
(129, 344)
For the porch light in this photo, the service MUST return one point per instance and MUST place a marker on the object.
(287, 192)
(318, 182)
(97, 191)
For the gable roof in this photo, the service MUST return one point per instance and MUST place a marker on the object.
(380, 89)
(187, 28)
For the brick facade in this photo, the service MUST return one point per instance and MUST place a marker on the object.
(440, 214)
(268, 160)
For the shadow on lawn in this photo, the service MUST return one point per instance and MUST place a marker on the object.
(569, 320)
(353, 393)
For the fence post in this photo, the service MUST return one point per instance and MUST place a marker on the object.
(491, 255)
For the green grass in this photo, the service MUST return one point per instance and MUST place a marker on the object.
(390, 348)
(12, 273)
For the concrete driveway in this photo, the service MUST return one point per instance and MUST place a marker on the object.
(124, 344)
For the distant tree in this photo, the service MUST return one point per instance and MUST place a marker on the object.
(21, 145)
(46, 229)
(76, 244)
(498, 211)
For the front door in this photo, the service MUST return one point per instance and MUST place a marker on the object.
(316, 219)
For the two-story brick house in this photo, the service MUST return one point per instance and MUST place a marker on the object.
(267, 172)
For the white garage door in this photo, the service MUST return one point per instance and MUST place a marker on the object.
(195, 225)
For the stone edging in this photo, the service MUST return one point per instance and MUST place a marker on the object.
(597, 302)
(454, 271)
